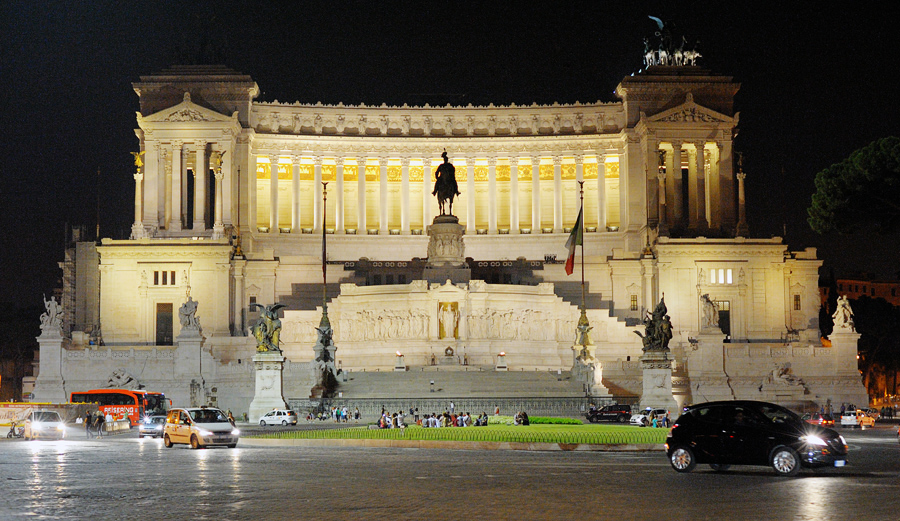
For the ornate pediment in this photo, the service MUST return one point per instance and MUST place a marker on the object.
(187, 111)
(690, 112)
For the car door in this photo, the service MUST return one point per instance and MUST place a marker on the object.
(706, 433)
(747, 436)
(184, 427)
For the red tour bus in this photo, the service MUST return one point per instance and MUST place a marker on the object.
(124, 402)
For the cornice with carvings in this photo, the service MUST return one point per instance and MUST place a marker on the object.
(164, 252)
(431, 147)
(444, 122)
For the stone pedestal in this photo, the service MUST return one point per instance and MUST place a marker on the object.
(501, 363)
(848, 386)
(269, 367)
(446, 252)
(400, 364)
(657, 371)
(50, 386)
(187, 354)
(709, 382)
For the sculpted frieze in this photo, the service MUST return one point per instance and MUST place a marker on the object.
(186, 115)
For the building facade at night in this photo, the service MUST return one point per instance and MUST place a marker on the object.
(230, 210)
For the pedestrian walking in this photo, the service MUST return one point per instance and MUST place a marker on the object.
(88, 422)
(100, 421)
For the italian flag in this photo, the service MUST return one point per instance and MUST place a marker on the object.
(576, 238)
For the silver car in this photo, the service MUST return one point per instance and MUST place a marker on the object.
(152, 426)
(278, 417)
(44, 424)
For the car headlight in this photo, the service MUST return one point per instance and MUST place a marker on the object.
(235, 432)
(60, 427)
(813, 440)
(204, 432)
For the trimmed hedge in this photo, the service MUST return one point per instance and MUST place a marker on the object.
(567, 434)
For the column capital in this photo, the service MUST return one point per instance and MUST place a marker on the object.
(513, 162)
(492, 162)
(661, 177)
(741, 176)
(579, 158)
(339, 162)
(404, 162)
(200, 145)
(699, 145)
(383, 160)
(676, 143)
(317, 160)
(295, 160)
(138, 177)
(557, 160)
(273, 158)
(177, 144)
(536, 159)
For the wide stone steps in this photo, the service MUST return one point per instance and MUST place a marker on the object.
(474, 382)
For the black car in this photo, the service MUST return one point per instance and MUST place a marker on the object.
(751, 433)
(612, 413)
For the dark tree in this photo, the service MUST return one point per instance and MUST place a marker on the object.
(878, 323)
(861, 192)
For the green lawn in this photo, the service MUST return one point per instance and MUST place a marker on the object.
(590, 434)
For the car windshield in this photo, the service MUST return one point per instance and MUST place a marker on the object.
(778, 414)
(209, 416)
(46, 416)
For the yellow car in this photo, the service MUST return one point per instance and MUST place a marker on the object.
(857, 418)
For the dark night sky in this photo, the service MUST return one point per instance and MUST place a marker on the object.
(817, 83)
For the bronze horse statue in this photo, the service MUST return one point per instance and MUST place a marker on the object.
(445, 186)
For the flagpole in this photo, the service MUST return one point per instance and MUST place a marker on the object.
(581, 212)
(324, 320)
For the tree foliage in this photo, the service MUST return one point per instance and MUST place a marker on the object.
(860, 192)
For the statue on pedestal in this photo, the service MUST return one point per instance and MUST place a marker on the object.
(657, 329)
(843, 315)
(267, 329)
(445, 187)
(709, 313)
(187, 314)
(51, 319)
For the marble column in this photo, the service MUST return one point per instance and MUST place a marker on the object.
(725, 198)
(361, 196)
(513, 195)
(535, 194)
(200, 169)
(228, 151)
(218, 225)
(742, 229)
(173, 188)
(677, 185)
(252, 204)
(426, 192)
(470, 195)
(651, 164)
(339, 195)
(151, 187)
(492, 195)
(295, 195)
(383, 195)
(579, 180)
(404, 196)
(601, 192)
(273, 193)
(702, 222)
(557, 194)
(663, 228)
(137, 229)
(317, 202)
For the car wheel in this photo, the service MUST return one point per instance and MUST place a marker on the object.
(167, 442)
(682, 459)
(262, 423)
(233, 445)
(623, 419)
(195, 443)
(719, 467)
(140, 436)
(785, 461)
(283, 423)
(592, 419)
(645, 422)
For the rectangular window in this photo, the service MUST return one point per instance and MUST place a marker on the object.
(156, 278)
(172, 277)
(165, 278)
(796, 302)
(634, 302)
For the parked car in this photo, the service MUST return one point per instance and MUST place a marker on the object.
(152, 426)
(612, 413)
(816, 418)
(751, 433)
(200, 427)
(857, 418)
(44, 424)
(645, 418)
(278, 417)
(873, 413)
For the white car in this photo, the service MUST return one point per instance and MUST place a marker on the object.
(200, 427)
(278, 417)
(642, 418)
(44, 424)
